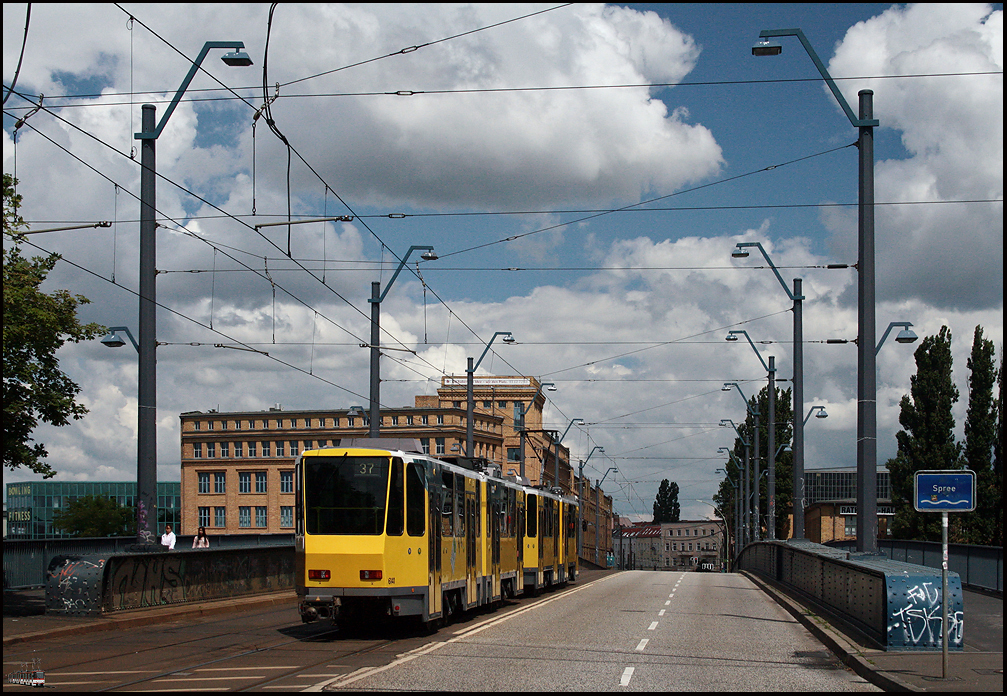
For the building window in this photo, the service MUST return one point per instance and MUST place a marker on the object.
(850, 528)
(395, 420)
(409, 420)
(425, 445)
(293, 448)
(286, 515)
(244, 516)
(195, 425)
(204, 517)
(211, 450)
(424, 420)
(209, 425)
(251, 449)
(265, 449)
(204, 482)
(440, 419)
(260, 516)
(238, 450)
(219, 482)
(220, 517)
(197, 450)
(286, 482)
(440, 445)
(260, 481)
(513, 454)
(244, 482)
(224, 449)
(501, 404)
(279, 449)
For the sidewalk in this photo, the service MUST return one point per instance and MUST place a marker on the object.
(24, 617)
(897, 671)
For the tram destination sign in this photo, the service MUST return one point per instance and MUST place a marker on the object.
(945, 491)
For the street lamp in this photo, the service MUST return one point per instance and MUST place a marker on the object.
(821, 413)
(469, 408)
(580, 496)
(558, 441)
(112, 339)
(906, 335)
(771, 395)
(597, 512)
(375, 299)
(743, 489)
(737, 497)
(867, 385)
(756, 531)
(146, 460)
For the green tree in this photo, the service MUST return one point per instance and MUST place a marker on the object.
(95, 516)
(980, 437)
(927, 440)
(35, 326)
(666, 507)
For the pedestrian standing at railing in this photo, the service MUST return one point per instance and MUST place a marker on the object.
(168, 538)
(201, 541)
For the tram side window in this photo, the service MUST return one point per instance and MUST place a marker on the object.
(459, 506)
(532, 516)
(395, 494)
(447, 504)
(415, 501)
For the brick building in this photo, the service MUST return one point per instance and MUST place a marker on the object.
(683, 545)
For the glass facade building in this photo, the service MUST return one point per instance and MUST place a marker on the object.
(32, 505)
(840, 484)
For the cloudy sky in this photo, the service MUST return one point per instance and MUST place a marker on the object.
(583, 172)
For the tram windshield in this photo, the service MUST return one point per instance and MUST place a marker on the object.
(345, 495)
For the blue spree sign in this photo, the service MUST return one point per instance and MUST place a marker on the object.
(945, 491)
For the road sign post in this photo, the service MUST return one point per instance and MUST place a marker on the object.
(944, 491)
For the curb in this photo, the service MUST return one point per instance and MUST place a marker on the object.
(848, 652)
(155, 615)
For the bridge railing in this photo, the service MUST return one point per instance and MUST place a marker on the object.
(94, 584)
(980, 567)
(896, 604)
(25, 561)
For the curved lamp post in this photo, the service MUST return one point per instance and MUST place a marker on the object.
(867, 386)
(580, 497)
(375, 299)
(558, 441)
(743, 488)
(771, 395)
(469, 387)
(146, 465)
(597, 512)
(756, 526)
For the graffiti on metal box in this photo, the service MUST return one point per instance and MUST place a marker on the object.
(920, 618)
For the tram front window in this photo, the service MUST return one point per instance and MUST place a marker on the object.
(345, 495)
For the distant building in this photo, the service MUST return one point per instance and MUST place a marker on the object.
(683, 545)
(31, 505)
(831, 508)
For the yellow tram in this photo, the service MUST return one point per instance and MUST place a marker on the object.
(396, 533)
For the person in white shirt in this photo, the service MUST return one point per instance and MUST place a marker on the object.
(201, 541)
(168, 538)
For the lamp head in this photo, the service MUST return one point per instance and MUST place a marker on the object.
(726, 387)
(731, 337)
(739, 253)
(237, 59)
(509, 338)
(113, 341)
(429, 256)
(765, 47)
(906, 335)
(821, 413)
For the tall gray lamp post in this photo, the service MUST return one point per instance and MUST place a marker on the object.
(744, 477)
(558, 441)
(580, 497)
(375, 299)
(756, 523)
(771, 395)
(797, 297)
(470, 371)
(737, 501)
(597, 512)
(146, 447)
(867, 385)
(519, 413)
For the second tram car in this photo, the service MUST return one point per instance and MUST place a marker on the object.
(394, 533)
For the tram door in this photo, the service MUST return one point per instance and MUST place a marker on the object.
(471, 581)
(434, 503)
(496, 505)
